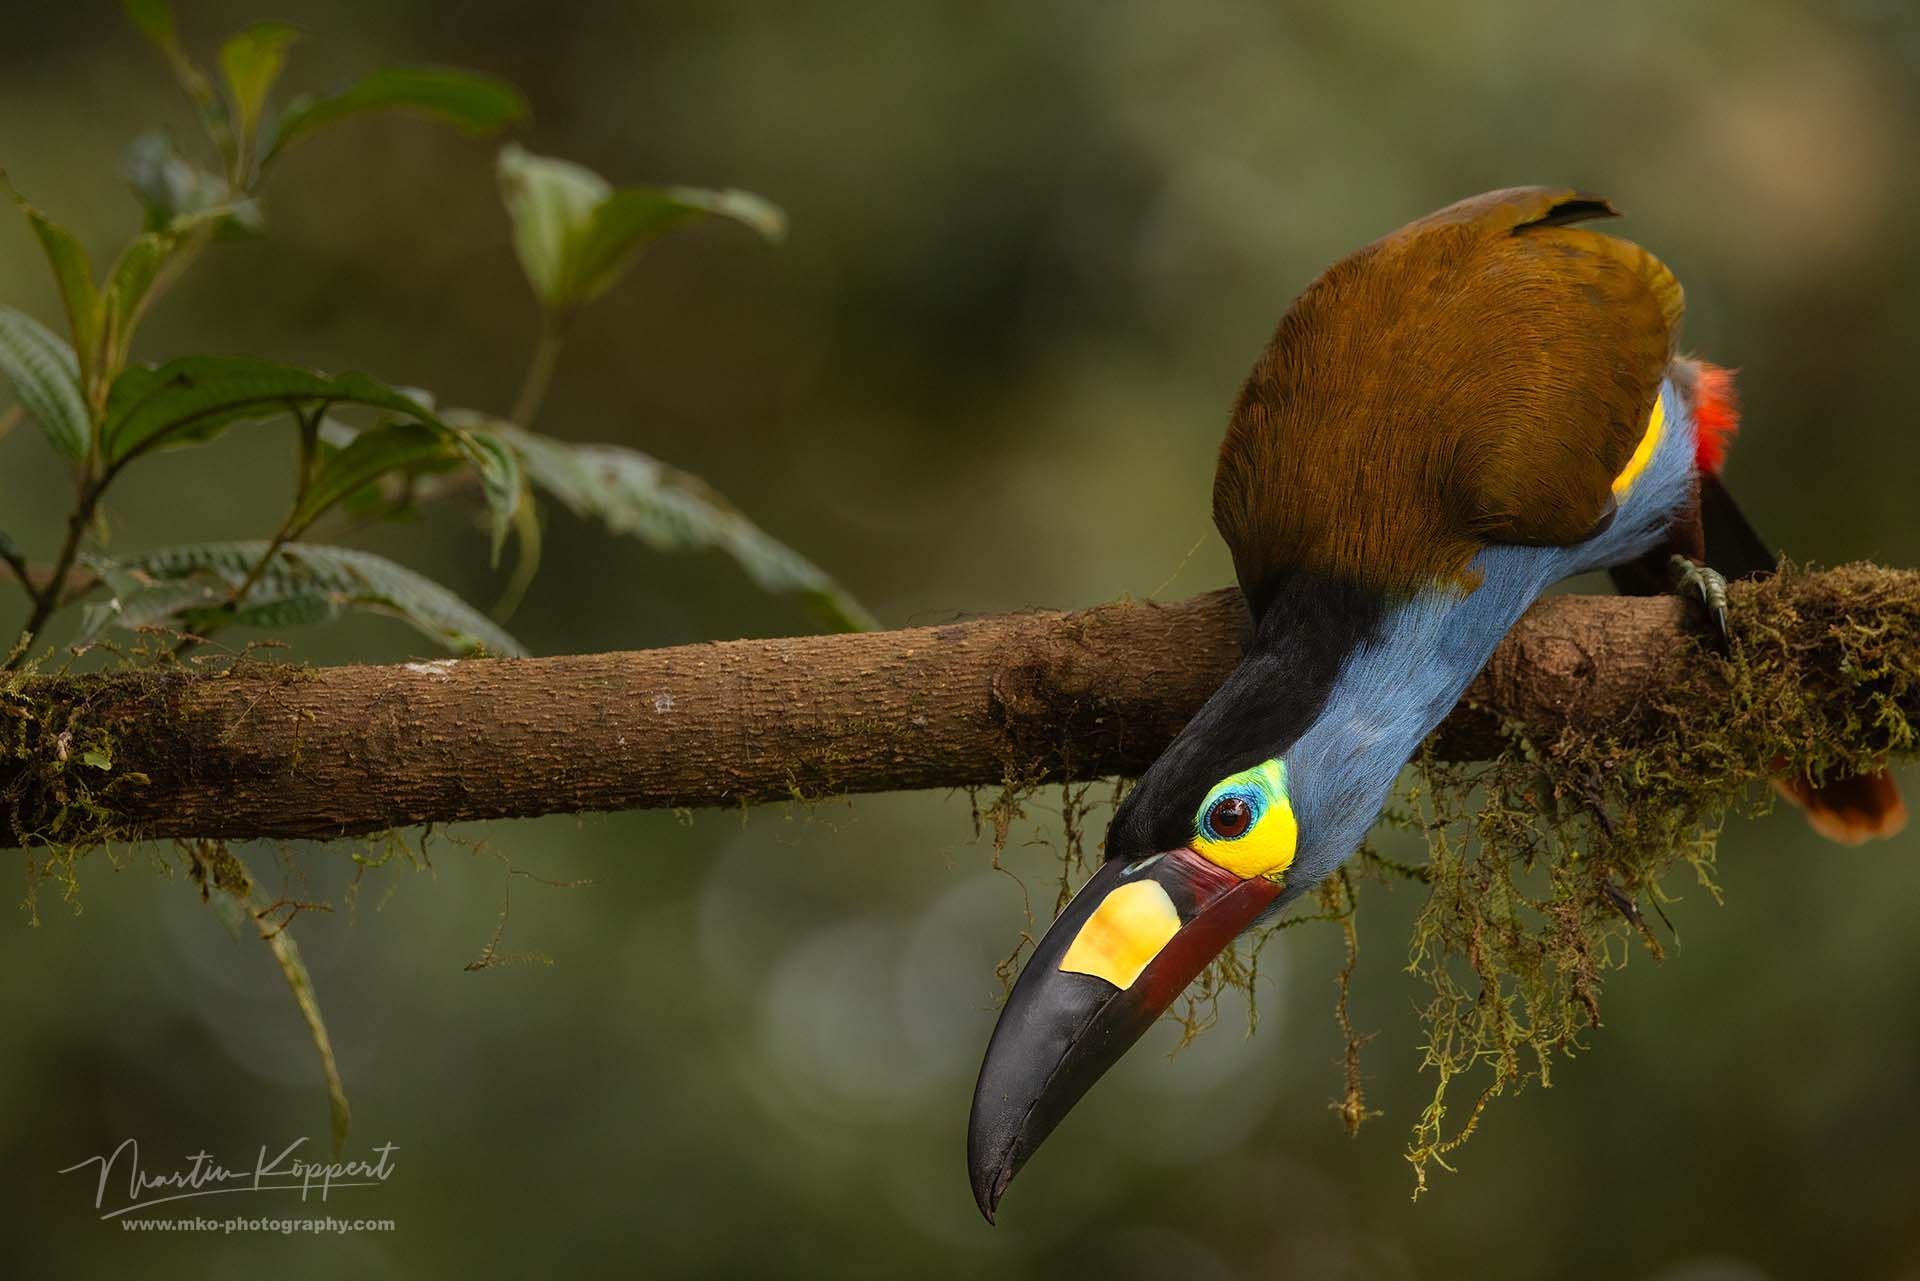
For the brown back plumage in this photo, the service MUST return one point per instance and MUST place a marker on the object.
(1479, 376)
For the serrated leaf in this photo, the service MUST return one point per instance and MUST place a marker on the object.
(251, 61)
(73, 271)
(576, 234)
(46, 380)
(186, 586)
(149, 604)
(672, 510)
(467, 100)
(288, 611)
(192, 399)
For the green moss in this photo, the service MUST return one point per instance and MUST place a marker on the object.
(64, 774)
(1546, 862)
(60, 769)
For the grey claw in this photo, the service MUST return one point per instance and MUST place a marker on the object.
(1690, 578)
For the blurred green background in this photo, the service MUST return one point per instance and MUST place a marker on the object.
(1034, 248)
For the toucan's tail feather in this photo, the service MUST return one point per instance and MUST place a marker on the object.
(1732, 545)
(1849, 810)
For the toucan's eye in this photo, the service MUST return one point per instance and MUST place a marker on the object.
(1230, 817)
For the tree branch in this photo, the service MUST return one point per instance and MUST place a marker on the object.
(267, 750)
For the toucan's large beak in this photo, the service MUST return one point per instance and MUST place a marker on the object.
(1129, 943)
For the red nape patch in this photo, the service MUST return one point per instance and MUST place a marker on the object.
(1716, 416)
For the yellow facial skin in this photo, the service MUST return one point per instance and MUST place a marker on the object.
(1643, 454)
(1127, 930)
(1267, 846)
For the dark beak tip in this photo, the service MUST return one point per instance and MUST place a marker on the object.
(987, 1194)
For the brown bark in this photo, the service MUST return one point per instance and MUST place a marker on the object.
(267, 750)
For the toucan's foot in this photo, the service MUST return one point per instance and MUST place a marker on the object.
(1694, 581)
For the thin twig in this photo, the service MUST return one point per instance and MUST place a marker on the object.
(289, 529)
(48, 598)
(18, 565)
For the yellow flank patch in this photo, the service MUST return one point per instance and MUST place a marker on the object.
(1656, 428)
(1125, 932)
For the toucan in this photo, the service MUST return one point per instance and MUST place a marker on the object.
(1445, 423)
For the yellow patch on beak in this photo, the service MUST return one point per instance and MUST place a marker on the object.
(1124, 933)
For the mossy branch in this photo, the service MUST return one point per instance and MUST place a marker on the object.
(1824, 674)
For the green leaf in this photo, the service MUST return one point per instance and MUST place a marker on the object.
(499, 468)
(74, 273)
(46, 379)
(133, 283)
(467, 100)
(576, 235)
(672, 510)
(402, 446)
(630, 219)
(174, 191)
(182, 587)
(251, 61)
(132, 608)
(98, 757)
(155, 20)
(375, 500)
(551, 204)
(529, 539)
(190, 400)
(419, 446)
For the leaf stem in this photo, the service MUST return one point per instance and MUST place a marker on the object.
(47, 599)
(546, 354)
